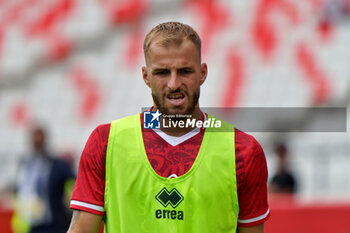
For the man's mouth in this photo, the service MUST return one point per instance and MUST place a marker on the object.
(176, 99)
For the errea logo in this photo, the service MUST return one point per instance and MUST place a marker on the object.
(172, 198)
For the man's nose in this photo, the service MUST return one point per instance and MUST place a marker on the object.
(174, 81)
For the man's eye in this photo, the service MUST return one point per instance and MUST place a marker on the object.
(161, 72)
(185, 71)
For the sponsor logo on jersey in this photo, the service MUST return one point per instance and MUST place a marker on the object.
(172, 198)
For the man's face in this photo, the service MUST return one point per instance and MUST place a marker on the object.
(174, 74)
(38, 140)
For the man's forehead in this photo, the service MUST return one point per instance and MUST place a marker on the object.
(160, 43)
(163, 62)
(184, 53)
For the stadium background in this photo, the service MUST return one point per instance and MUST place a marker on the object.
(72, 64)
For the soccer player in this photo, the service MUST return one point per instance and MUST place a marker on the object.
(171, 179)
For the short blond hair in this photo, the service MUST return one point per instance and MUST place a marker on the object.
(172, 33)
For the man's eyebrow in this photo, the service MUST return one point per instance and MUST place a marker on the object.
(160, 68)
(156, 69)
(186, 68)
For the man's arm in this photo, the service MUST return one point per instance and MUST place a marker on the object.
(254, 229)
(84, 222)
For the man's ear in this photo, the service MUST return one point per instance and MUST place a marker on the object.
(145, 76)
(204, 72)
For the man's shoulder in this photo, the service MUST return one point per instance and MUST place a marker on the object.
(98, 136)
(58, 161)
(103, 127)
(245, 137)
(247, 143)
(101, 132)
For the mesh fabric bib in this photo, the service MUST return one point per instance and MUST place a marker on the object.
(138, 200)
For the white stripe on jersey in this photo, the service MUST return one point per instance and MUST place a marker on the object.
(172, 176)
(255, 219)
(87, 205)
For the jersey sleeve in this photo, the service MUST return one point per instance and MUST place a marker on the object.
(88, 194)
(252, 184)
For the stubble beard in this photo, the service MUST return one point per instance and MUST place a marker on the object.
(188, 111)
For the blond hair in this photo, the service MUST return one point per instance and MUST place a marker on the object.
(172, 33)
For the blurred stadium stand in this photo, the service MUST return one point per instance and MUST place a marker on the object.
(74, 64)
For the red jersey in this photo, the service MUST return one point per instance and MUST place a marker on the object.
(171, 157)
